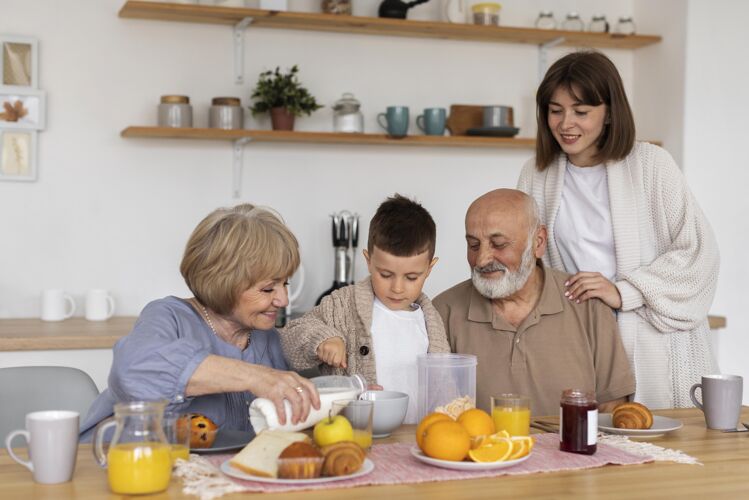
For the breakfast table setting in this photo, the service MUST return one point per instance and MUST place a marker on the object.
(690, 461)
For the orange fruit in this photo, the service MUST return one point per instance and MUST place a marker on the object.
(499, 451)
(446, 440)
(521, 446)
(477, 422)
(426, 422)
(503, 434)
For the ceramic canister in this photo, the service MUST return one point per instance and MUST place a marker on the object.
(226, 113)
(175, 111)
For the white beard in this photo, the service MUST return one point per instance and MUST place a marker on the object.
(507, 284)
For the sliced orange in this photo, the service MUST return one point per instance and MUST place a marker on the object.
(499, 436)
(521, 446)
(479, 441)
(499, 451)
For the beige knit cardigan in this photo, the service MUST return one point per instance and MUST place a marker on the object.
(666, 268)
(347, 313)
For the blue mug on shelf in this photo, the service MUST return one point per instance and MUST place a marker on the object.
(395, 121)
(432, 122)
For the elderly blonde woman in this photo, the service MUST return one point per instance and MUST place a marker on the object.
(215, 352)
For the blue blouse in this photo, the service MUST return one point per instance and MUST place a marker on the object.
(157, 358)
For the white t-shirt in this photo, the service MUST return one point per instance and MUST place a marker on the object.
(398, 337)
(583, 230)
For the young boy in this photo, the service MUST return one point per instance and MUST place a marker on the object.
(379, 325)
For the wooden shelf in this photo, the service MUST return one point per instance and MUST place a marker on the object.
(73, 333)
(212, 134)
(376, 26)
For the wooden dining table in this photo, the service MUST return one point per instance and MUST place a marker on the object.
(724, 473)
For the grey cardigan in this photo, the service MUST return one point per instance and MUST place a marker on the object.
(347, 313)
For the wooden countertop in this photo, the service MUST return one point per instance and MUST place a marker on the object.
(723, 475)
(78, 333)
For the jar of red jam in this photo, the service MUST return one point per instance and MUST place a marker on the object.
(578, 421)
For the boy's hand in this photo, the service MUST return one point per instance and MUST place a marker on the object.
(333, 352)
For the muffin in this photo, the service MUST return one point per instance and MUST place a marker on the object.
(300, 460)
(202, 431)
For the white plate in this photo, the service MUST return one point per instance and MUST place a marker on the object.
(227, 469)
(226, 440)
(661, 425)
(449, 464)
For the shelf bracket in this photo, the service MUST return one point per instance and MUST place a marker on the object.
(543, 55)
(237, 164)
(239, 30)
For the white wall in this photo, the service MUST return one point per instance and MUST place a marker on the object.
(715, 128)
(115, 213)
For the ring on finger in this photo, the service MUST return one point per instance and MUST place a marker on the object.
(299, 389)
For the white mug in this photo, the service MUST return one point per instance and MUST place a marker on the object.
(52, 437)
(57, 305)
(99, 305)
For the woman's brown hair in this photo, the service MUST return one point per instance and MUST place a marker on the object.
(592, 79)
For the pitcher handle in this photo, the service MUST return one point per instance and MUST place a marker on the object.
(8, 446)
(98, 443)
(693, 396)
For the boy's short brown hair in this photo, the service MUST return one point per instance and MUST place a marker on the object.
(597, 81)
(403, 228)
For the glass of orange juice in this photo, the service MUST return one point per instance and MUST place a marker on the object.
(177, 432)
(512, 413)
(359, 414)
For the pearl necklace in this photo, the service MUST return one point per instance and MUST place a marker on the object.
(213, 329)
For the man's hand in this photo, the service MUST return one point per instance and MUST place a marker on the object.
(333, 352)
(584, 286)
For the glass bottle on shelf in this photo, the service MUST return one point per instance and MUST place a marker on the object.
(598, 24)
(573, 22)
(546, 21)
(346, 115)
(625, 26)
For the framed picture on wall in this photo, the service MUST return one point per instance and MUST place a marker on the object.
(20, 61)
(18, 155)
(22, 108)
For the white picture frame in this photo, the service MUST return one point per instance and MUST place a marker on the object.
(19, 62)
(30, 104)
(18, 154)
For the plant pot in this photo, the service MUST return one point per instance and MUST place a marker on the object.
(281, 119)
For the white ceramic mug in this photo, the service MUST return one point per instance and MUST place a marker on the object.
(52, 437)
(57, 305)
(99, 305)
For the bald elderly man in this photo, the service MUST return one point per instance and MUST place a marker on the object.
(513, 316)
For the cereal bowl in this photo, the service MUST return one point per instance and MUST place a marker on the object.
(390, 409)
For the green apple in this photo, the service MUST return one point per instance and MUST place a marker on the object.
(332, 430)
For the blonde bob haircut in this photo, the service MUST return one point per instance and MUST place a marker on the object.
(233, 249)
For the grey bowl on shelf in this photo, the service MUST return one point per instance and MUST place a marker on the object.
(389, 411)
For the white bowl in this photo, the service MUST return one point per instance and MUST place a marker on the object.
(390, 409)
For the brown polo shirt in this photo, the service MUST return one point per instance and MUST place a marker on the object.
(560, 345)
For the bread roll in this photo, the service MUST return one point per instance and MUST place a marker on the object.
(632, 416)
(342, 459)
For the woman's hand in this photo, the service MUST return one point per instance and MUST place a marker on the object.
(333, 352)
(583, 286)
(278, 385)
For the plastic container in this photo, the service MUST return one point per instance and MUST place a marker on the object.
(446, 381)
(486, 14)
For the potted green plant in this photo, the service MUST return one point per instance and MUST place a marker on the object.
(283, 96)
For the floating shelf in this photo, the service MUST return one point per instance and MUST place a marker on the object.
(162, 11)
(212, 134)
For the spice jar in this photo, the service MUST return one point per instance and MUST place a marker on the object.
(337, 7)
(625, 26)
(226, 113)
(578, 421)
(546, 21)
(346, 115)
(573, 22)
(486, 14)
(598, 24)
(175, 111)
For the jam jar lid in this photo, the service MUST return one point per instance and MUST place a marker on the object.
(578, 396)
(175, 99)
(347, 103)
(225, 101)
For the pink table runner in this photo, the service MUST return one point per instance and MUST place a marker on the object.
(395, 465)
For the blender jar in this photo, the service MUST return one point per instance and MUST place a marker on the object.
(447, 383)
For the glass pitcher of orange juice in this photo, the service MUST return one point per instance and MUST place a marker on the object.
(139, 458)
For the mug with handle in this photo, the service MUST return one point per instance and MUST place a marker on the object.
(432, 122)
(52, 437)
(57, 305)
(99, 305)
(721, 400)
(395, 121)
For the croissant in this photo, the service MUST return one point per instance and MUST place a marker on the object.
(342, 459)
(632, 416)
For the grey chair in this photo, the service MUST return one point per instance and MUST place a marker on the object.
(34, 388)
